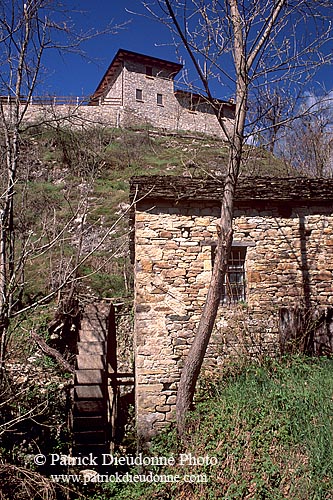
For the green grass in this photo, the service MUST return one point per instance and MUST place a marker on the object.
(105, 284)
(267, 438)
(72, 169)
(270, 428)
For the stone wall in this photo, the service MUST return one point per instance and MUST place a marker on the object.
(289, 261)
(117, 87)
(120, 107)
(173, 113)
(147, 111)
(77, 117)
(201, 118)
(169, 116)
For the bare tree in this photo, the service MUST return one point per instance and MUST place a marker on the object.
(296, 128)
(307, 142)
(27, 30)
(270, 111)
(244, 45)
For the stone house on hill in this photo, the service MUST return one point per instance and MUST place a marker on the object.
(282, 259)
(139, 90)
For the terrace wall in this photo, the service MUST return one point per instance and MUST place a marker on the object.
(120, 107)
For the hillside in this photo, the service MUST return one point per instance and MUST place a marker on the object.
(261, 432)
(71, 225)
(89, 172)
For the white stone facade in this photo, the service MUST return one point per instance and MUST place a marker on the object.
(139, 90)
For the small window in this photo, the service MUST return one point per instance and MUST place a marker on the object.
(160, 99)
(234, 286)
(149, 71)
(138, 94)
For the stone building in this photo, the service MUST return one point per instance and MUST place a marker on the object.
(282, 258)
(139, 90)
(136, 90)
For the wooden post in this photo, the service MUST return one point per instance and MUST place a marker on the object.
(306, 330)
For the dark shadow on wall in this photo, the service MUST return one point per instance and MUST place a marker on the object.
(303, 235)
(306, 329)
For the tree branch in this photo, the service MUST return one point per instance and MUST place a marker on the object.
(53, 353)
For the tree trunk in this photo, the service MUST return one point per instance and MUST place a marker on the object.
(194, 359)
(65, 365)
(198, 348)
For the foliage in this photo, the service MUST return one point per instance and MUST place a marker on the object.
(51, 189)
(269, 425)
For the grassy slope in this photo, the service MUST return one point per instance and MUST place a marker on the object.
(270, 427)
(101, 162)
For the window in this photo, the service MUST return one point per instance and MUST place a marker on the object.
(138, 94)
(149, 71)
(160, 99)
(234, 286)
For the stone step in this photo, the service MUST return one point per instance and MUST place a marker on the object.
(91, 348)
(86, 392)
(90, 361)
(89, 377)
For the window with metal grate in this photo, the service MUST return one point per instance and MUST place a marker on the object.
(234, 286)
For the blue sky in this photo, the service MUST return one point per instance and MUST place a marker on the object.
(72, 75)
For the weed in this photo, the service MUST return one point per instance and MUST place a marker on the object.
(269, 426)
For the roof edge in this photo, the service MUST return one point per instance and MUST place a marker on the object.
(248, 189)
(123, 52)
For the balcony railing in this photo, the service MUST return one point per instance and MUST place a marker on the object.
(47, 100)
(63, 100)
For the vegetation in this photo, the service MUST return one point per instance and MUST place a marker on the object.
(77, 183)
(81, 179)
(269, 428)
(263, 428)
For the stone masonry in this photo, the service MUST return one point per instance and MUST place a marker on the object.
(286, 228)
(139, 90)
(135, 91)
